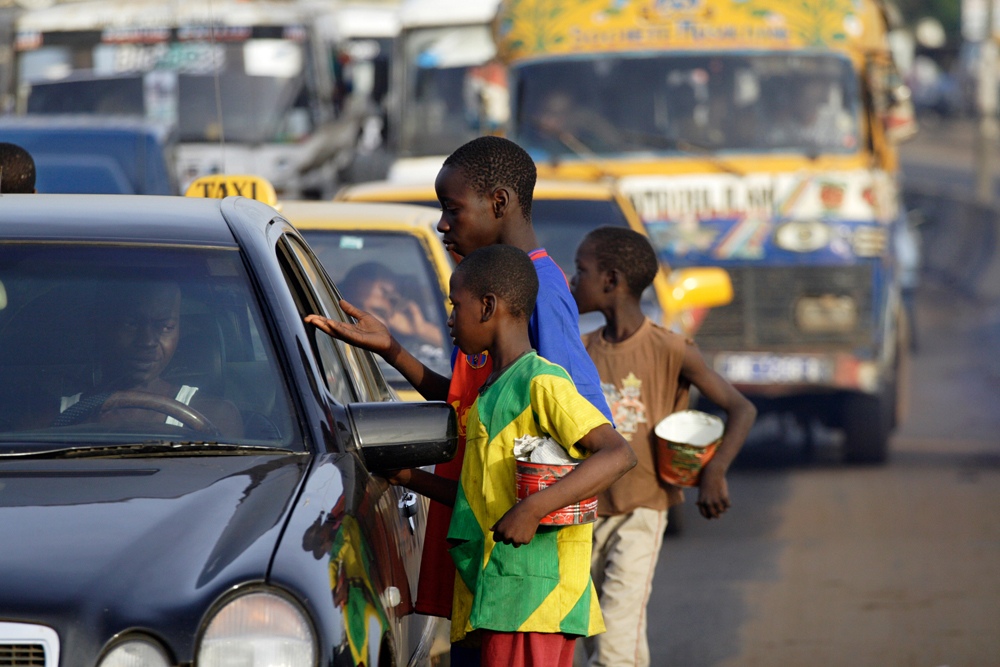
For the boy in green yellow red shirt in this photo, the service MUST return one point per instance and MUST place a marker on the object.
(525, 588)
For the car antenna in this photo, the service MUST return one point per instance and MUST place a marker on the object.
(218, 87)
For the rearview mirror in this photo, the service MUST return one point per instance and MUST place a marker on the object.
(703, 287)
(404, 435)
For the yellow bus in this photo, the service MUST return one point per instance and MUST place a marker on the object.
(753, 135)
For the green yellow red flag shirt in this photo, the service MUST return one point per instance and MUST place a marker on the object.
(543, 586)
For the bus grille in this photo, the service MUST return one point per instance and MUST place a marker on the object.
(22, 655)
(761, 315)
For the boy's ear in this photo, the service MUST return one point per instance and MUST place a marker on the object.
(500, 202)
(489, 306)
(612, 279)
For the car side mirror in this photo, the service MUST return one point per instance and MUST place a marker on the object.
(701, 287)
(405, 435)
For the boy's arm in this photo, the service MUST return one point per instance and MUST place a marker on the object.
(713, 493)
(433, 486)
(370, 334)
(611, 458)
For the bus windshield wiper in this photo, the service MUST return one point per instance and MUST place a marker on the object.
(588, 155)
(688, 147)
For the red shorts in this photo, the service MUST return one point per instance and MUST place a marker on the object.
(527, 649)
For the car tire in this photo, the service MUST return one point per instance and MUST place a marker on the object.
(866, 424)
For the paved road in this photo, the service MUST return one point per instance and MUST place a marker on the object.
(941, 158)
(821, 565)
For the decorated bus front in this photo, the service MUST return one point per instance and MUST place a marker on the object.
(750, 135)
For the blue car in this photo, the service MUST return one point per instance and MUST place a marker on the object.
(87, 155)
(186, 467)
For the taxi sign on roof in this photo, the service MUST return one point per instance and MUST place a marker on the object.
(219, 186)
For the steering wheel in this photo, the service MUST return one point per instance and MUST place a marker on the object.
(185, 414)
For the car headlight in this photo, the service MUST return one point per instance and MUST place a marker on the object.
(258, 629)
(802, 236)
(135, 653)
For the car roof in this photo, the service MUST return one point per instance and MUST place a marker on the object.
(544, 189)
(115, 218)
(351, 215)
(91, 124)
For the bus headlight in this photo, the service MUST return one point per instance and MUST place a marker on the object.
(135, 653)
(869, 241)
(258, 629)
(804, 236)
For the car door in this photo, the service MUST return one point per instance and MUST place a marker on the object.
(390, 520)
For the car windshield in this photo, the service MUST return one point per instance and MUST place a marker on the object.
(453, 92)
(261, 85)
(561, 224)
(687, 103)
(107, 345)
(390, 275)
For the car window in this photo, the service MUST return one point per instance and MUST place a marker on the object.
(390, 275)
(124, 344)
(358, 361)
(562, 224)
(329, 352)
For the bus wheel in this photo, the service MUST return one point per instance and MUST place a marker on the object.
(866, 429)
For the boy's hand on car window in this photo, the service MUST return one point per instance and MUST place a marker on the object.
(517, 526)
(369, 332)
(713, 492)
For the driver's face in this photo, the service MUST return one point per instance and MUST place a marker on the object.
(145, 332)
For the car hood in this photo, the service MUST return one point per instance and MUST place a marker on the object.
(96, 547)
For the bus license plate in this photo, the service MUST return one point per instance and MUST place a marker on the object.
(774, 369)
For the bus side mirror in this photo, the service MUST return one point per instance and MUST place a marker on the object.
(900, 120)
(702, 287)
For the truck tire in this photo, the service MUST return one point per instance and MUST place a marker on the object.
(901, 374)
(866, 428)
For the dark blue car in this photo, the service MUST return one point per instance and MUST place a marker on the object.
(88, 155)
(185, 466)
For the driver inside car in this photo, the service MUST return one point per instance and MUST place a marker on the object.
(138, 339)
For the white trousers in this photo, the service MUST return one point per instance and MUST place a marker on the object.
(626, 549)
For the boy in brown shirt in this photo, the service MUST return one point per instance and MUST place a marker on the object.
(645, 374)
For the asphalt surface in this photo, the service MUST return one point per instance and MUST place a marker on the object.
(820, 564)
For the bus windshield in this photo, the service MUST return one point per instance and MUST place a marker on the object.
(262, 87)
(454, 90)
(688, 103)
